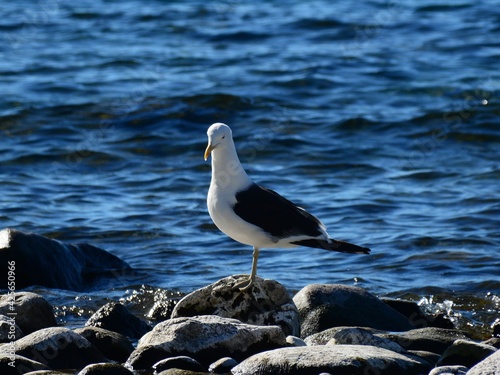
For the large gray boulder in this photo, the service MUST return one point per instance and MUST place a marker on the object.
(205, 339)
(323, 306)
(57, 348)
(359, 336)
(431, 339)
(336, 359)
(267, 303)
(39, 260)
(488, 366)
(32, 311)
(323, 337)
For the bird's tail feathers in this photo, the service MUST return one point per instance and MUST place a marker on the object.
(333, 245)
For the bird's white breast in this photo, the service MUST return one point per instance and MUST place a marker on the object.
(220, 207)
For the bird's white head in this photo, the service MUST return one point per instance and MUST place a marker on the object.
(219, 136)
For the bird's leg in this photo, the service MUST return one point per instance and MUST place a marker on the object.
(247, 284)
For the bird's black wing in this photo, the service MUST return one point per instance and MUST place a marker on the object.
(274, 214)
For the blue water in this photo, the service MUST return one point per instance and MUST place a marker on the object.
(381, 118)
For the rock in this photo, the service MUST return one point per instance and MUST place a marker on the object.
(58, 348)
(112, 344)
(115, 317)
(430, 357)
(323, 306)
(267, 303)
(336, 359)
(488, 366)
(180, 362)
(22, 364)
(222, 366)
(496, 328)
(204, 338)
(9, 330)
(409, 309)
(432, 339)
(33, 312)
(47, 372)
(415, 315)
(358, 336)
(494, 341)
(162, 309)
(176, 371)
(439, 320)
(466, 353)
(295, 341)
(449, 370)
(105, 369)
(43, 261)
(322, 338)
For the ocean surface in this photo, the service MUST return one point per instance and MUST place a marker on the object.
(379, 117)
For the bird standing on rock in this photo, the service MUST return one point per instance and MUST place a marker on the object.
(254, 215)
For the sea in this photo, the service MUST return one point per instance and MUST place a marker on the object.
(379, 117)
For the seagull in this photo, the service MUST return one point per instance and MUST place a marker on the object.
(254, 215)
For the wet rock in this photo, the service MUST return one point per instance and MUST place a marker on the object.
(322, 338)
(466, 353)
(323, 306)
(105, 369)
(439, 320)
(496, 329)
(162, 309)
(22, 364)
(112, 344)
(358, 336)
(204, 338)
(48, 372)
(267, 303)
(43, 261)
(180, 362)
(409, 309)
(449, 370)
(115, 317)
(58, 348)
(415, 315)
(223, 366)
(432, 339)
(33, 312)
(337, 359)
(488, 366)
(9, 330)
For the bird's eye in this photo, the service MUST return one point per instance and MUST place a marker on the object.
(223, 136)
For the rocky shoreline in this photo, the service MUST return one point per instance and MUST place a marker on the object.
(323, 329)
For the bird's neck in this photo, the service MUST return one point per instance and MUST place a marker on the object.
(227, 171)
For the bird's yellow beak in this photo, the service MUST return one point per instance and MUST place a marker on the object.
(208, 150)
